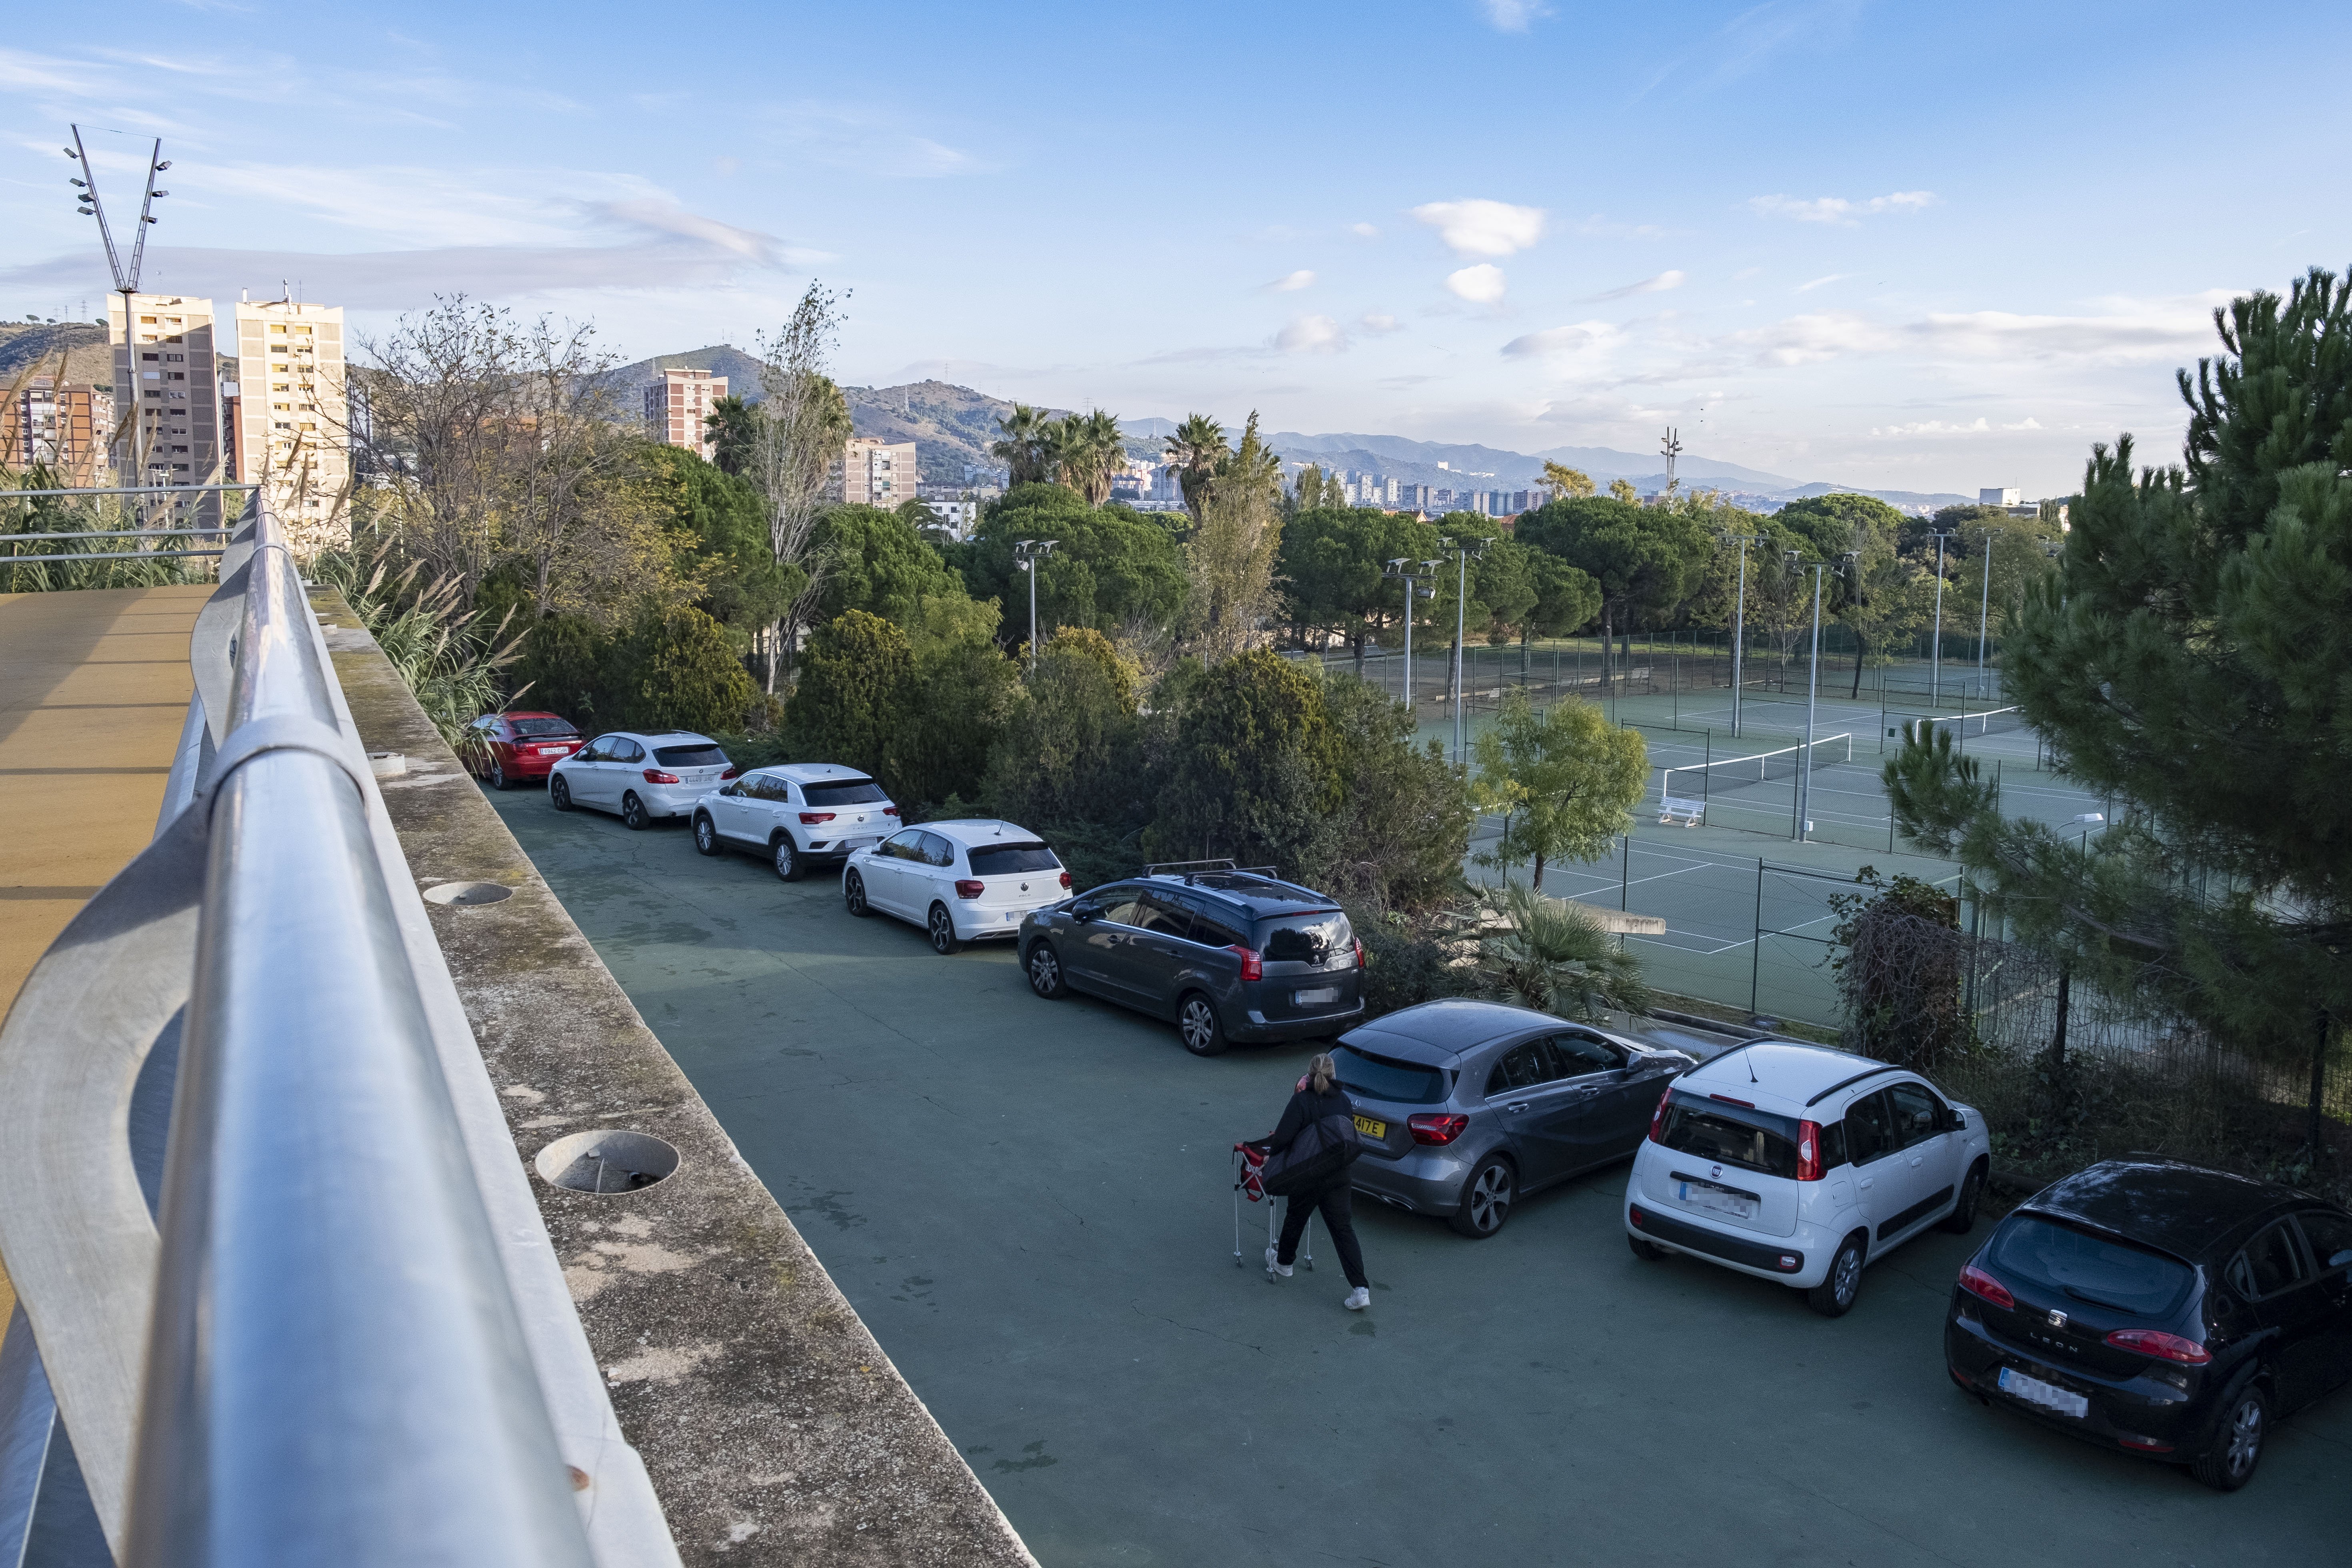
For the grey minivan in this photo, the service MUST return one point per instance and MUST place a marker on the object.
(1465, 1106)
(1229, 954)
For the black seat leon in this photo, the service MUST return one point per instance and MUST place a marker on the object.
(2161, 1309)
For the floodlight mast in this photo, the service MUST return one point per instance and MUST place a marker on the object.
(1739, 619)
(1402, 570)
(1984, 605)
(1027, 553)
(1804, 826)
(126, 282)
(1464, 550)
(1935, 654)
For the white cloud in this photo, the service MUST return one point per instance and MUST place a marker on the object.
(1838, 209)
(1980, 426)
(664, 217)
(1557, 341)
(1808, 340)
(1822, 282)
(1657, 285)
(1364, 231)
(1311, 335)
(1291, 282)
(1483, 227)
(1373, 321)
(1513, 15)
(1481, 285)
(2136, 332)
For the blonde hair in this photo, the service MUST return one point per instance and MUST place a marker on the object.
(1320, 1072)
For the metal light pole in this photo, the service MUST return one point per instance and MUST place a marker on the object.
(1984, 605)
(1027, 553)
(126, 280)
(1935, 654)
(1464, 550)
(1739, 620)
(1402, 570)
(1813, 695)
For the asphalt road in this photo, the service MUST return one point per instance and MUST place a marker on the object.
(1029, 1202)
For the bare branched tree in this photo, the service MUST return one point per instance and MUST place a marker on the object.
(801, 433)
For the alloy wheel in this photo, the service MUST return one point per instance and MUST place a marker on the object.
(1045, 971)
(942, 930)
(1490, 1199)
(1198, 1024)
(559, 794)
(498, 775)
(852, 893)
(2245, 1437)
(633, 813)
(706, 837)
(788, 865)
(1846, 1278)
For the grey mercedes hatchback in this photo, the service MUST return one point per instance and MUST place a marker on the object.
(1227, 953)
(1465, 1106)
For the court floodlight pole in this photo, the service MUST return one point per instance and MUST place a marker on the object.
(1463, 550)
(1400, 569)
(1739, 620)
(1812, 689)
(1027, 553)
(1984, 603)
(1935, 654)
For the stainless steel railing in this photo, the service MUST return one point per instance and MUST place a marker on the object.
(348, 1358)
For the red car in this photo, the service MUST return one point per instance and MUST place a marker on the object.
(518, 748)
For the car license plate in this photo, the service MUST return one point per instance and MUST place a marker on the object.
(1317, 997)
(1011, 915)
(1371, 1127)
(2048, 1396)
(1737, 1206)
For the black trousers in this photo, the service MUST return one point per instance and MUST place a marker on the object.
(1334, 1202)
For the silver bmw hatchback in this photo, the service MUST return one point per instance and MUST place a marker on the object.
(1466, 1106)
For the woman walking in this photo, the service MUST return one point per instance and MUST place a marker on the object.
(1321, 1113)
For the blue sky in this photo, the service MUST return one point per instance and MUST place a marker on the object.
(1896, 245)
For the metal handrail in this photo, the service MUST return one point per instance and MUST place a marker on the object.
(118, 533)
(6, 494)
(336, 1370)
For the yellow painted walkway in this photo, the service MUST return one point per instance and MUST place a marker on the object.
(94, 687)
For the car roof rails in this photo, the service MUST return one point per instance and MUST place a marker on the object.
(1191, 870)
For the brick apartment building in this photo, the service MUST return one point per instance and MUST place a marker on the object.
(678, 403)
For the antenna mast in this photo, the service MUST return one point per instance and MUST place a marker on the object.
(1671, 448)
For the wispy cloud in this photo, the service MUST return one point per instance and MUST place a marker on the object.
(1513, 15)
(1290, 282)
(1838, 210)
(1822, 282)
(1657, 285)
(1481, 285)
(1483, 227)
(1364, 230)
(1584, 337)
(1382, 325)
(1311, 335)
(1979, 426)
(1602, 227)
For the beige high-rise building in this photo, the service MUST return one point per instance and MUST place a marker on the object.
(294, 416)
(875, 473)
(164, 370)
(677, 405)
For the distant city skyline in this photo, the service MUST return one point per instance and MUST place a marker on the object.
(1929, 250)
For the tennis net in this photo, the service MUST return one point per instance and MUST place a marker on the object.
(1685, 790)
(1968, 726)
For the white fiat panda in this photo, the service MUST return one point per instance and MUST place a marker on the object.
(1802, 1163)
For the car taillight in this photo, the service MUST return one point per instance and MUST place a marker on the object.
(655, 775)
(1658, 1117)
(1065, 881)
(1359, 951)
(1253, 967)
(1809, 1150)
(1435, 1129)
(2157, 1342)
(968, 888)
(1976, 1282)
(811, 818)
(731, 772)
(889, 811)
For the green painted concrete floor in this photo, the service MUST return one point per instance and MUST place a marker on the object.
(1030, 1205)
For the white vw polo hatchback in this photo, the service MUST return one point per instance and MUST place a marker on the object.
(1802, 1163)
(961, 882)
(797, 815)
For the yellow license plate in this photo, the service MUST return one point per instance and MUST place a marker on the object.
(1372, 1129)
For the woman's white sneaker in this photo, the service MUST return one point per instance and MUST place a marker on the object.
(1280, 1271)
(1358, 1299)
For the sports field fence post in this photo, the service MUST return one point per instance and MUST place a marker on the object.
(1705, 775)
(1626, 876)
(1755, 951)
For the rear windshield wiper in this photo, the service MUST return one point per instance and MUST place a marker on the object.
(2097, 1301)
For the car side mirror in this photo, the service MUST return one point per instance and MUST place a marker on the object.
(1959, 1121)
(1082, 914)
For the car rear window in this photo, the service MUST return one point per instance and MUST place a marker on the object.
(542, 727)
(1385, 1077)
(1003, 860)
(854, 792)
(1304, 939)
(2095, 1268)
(703, 756)
(1734, 1134)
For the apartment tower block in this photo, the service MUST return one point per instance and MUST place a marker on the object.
(293, 435)
(875, 473)
(166, 390)
(678, 403)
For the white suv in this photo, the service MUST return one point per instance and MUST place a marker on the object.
(960, 881)
(640, 775)
(1801, 1163)
(795, 815)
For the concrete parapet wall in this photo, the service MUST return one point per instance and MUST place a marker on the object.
(775, 1428)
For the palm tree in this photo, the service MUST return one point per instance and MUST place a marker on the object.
(734, 426)
(1193, 453)
(1028, 447)
(1089, 450)
(1556, 958)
